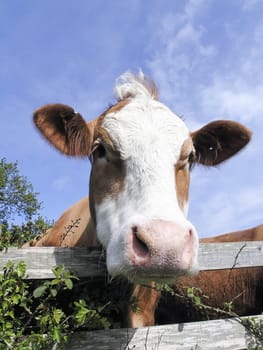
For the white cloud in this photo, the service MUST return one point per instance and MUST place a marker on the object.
(236, 89)
(177, 52)
(224, 99)
(198, 75)
(205, 57)
(208, 65)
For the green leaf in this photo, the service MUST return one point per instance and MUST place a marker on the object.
(53, 292)
(38, 292)
(21, 269)
(56, 334)
(58, 271)
(197, 300)
(69, 283)
(58, 315)
(16, 298)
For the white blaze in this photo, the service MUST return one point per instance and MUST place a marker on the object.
(149, 137)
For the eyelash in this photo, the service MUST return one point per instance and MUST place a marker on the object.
(98, 151)
(191, 157)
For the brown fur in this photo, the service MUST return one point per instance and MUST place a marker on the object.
(243, 287)
(71, 135)
(251, 234)
(182, 173)
(182, 177)
(82, 235)
(68, 136)
(143, 303)
(101, 189)
(116, 107)
(217, 141)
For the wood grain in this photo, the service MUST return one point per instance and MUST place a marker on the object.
(89, 263)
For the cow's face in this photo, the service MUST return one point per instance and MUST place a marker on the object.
(141, 153)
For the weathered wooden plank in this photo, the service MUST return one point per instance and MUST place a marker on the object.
(40, 261)
(88, 263)
(214, 256)
(226, 334)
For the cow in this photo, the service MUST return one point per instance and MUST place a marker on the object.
(141, 154)
(226, 292)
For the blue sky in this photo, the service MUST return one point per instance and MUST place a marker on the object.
(205, 56)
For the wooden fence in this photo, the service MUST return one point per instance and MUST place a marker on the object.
(217, 334)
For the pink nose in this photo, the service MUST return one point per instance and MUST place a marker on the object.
(163, 247)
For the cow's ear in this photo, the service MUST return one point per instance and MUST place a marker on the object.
(64, 129)
(219, 140)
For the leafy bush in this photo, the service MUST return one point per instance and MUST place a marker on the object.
(255, 328)
(16, 235)
(31, 316)
(42, 315)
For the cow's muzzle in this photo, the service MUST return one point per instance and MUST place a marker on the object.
(162, 250)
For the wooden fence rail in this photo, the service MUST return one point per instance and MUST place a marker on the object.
(89, 263)
(226, 334)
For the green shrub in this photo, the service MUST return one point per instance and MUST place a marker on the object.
(12, 235)
(255, 329)
(31, 316)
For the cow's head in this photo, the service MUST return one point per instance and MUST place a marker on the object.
(141, 153)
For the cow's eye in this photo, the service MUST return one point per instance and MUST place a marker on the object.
(98, 151)
(191, 157)
(188, 161)
(101, 151)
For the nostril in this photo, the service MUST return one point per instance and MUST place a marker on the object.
(135, 230)
(139, 246)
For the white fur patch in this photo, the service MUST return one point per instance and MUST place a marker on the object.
(149, 137)
(128, 86)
